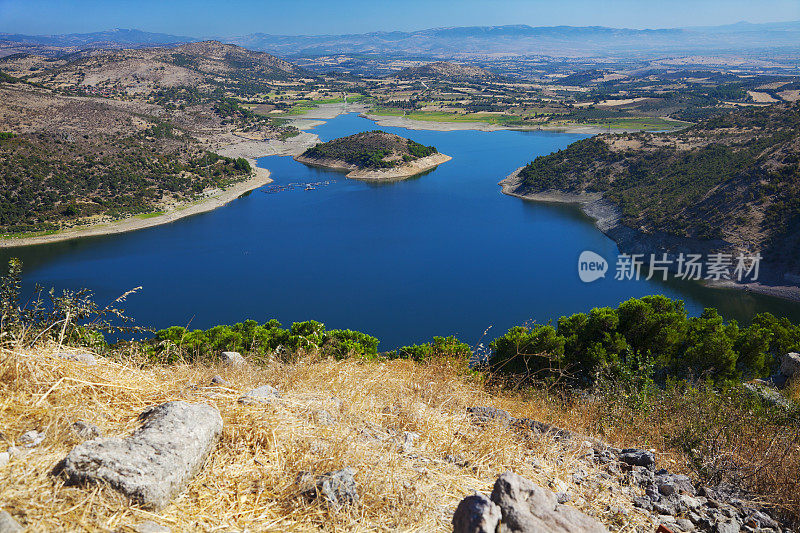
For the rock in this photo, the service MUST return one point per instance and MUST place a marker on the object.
(790, 365)
(636, 457)
(5, 457)
(85, 430)
(31, 439)
(232, 359)
(337, 488)
(85, 358)
(219, 380)
(408, 441)
(727, 527)
(476, 514)
(261, 395)
(542, 428)
(526, 507)
(769, 395)
(148, 526)
(17, 452)
(8, 524)
(323, 418)
(685, 524)
(489, 414)
(157, 461)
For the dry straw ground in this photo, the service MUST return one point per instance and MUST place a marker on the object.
(249, 481)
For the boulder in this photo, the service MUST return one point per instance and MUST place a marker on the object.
(637, 457)
(5, 457)
(790, 365)
(8, 524)
(527, 508)
(157, 461)
(85, 430)
(261, 395)
(336, 488)
(232, 359)
(769, 395)
(476, 514)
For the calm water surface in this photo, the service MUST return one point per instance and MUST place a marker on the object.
(444, 253)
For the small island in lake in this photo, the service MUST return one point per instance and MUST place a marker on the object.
(374, 155)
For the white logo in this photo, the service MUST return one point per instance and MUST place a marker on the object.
(591, 266)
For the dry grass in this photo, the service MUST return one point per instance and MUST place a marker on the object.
(248, 483)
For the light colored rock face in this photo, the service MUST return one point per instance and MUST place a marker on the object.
(336, 488)
(528, 508)
(85, 358)
(148, 526)
(85, 430)
(8, 524)
(5, 457)
(261, 395)
(476, 514)
(232, 359)
(157, 461)
(31, 439)
(790, 365)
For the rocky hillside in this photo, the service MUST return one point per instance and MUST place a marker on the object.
(370, 150)
(734, 179)
(444, 69)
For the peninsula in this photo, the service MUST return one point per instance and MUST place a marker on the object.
(374, 155)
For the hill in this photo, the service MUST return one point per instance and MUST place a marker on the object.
(730, 182)
(444, 69)
(142, 71)
(374, 155)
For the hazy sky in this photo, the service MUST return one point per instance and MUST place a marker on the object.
(204, 18)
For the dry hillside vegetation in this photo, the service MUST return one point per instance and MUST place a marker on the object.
(331, 415)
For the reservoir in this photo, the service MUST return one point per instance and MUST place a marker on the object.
(444, 253)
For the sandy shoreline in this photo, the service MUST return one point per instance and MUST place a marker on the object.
(214, 199)
(405, 171)
(606, 218)
(411, 124)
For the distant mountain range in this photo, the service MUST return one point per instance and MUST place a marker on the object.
(560, 41)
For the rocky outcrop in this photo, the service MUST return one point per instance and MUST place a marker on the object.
(524, 507)
(337, 489)
(8, 524)
(157, 461)
(261, 395)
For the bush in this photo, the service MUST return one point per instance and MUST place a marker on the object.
(441, 348)
(651, 334)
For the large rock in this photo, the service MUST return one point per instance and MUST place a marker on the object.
(790, 365)
(157, 461)
(476, 514)
(232, 359)
(483, 414)
(527, 508)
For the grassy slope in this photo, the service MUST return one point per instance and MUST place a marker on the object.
(249, 480)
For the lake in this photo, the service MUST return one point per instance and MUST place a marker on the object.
(443, 253)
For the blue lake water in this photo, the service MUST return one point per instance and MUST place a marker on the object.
(443, 253)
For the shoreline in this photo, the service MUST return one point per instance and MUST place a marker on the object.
(393, 121)
(216, 198)
(606, 218)
(405, 171)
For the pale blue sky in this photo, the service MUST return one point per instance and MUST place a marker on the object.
(202, 18)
